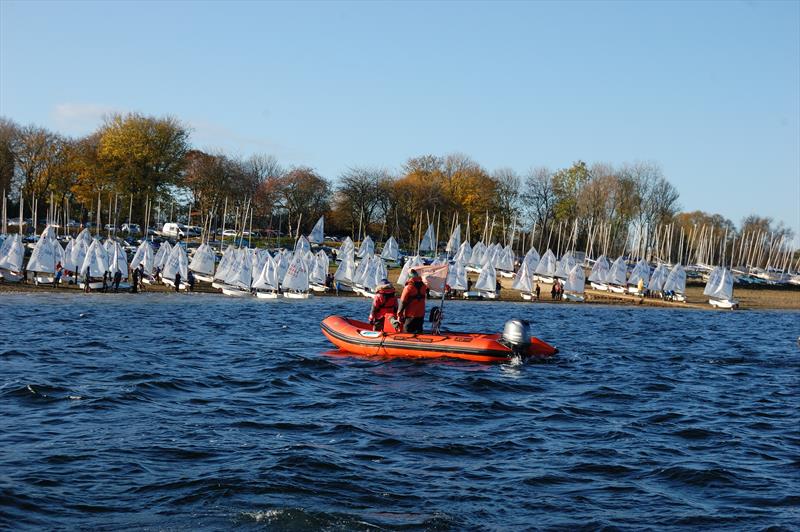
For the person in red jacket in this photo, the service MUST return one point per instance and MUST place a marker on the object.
(412, 304)
(384, 305)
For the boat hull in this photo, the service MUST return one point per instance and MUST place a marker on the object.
(296, 295)
(234, 292)
(267, 295)
(724, 303)
(359, 338)
(10, 277)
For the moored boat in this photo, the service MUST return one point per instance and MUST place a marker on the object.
(358, 337)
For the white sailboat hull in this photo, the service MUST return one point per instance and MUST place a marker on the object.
(318, 288)
(574, 297)
(724, 303)
(94, 285)
(10, 277)
(546, 279)
(267, 295)
(527, 296)
(616, 289)
(297, 295)
(43, 279)
(599, 286)
(234, 292)
(507, 275)
(203, 277)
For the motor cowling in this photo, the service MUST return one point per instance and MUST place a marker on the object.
(517, 335)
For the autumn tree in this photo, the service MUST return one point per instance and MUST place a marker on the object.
(362, 196)
(143, 154)
(9, 131)
(304, 193)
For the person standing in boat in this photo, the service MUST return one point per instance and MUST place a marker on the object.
(412, 304)
(384, 305)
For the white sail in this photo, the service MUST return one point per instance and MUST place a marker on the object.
(600, 269)
(144, 256)
(464, 253)
(565, 265)
(118, 260)
(318, 233)
(547, 264)
(523, 280)
(302, 244)
(391, 250)
(203, 260)
(720, 284)
(487, 279)
(268, 278)
(346, 270)
(95, 263)
(12, 253)
(532, 259)
(640, 272)
(457, 277)
(361, 271)
(576, 280)
(618, 274)
(428, 240)
(225, 263)
(240, 273)
(176, 262)
(676, 280)
(476, 258)
(319, 270)
(504, 259)
(162, 255)
(367, 248)
(346, 247)
(86, 237)
(658, 278)
(410, 263)
(454, 243)
(46, 254)
(282, 260)
(296, 277)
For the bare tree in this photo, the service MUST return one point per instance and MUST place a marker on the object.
(539, 198)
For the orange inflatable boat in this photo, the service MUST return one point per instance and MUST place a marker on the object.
(359, 338)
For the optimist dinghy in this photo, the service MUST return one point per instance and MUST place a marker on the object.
(359, 338)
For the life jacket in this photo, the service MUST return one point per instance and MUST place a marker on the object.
(384, 304)
(413, 298)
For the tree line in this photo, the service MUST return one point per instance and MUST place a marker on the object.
(137, 159)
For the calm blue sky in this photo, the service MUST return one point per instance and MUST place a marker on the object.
(710, 91)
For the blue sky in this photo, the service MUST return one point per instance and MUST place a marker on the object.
(710, 91)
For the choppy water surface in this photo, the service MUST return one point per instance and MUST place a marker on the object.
(201, 412)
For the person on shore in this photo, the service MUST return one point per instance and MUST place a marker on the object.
(86, 287)
(158, 274)
(135, 281)
(190, 279)
(469, 284)
(640, 287)
(141, 277)
(117, 280)
(177, 281)
(538, 291)
(59, 273)
(105, 281)
(412, 304)
(384, 304)
(554, 290)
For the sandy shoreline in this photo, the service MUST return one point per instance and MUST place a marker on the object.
(749, 298)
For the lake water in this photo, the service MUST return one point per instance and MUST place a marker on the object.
(185, 412)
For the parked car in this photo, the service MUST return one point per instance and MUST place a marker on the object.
(175, 230)
(131, 229)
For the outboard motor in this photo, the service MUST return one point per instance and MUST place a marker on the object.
(517, 335)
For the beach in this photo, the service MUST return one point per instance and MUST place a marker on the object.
(767, 298)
